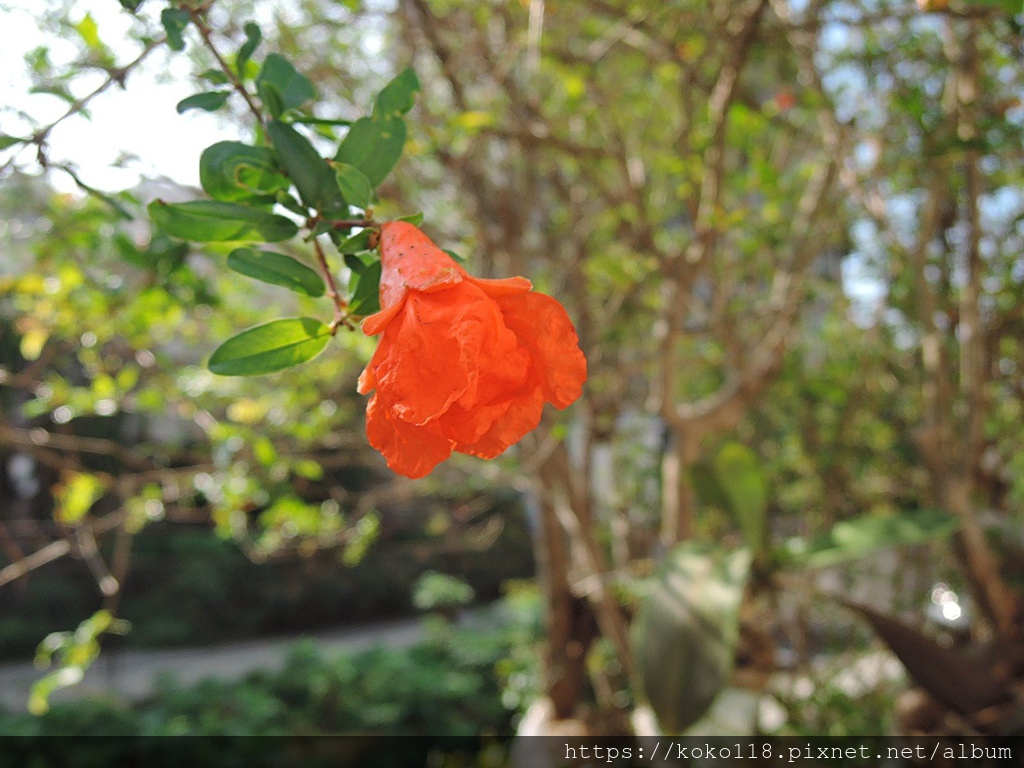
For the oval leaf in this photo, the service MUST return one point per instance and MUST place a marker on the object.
(686, 630)
(210, 221)
(373, 146)
(270, 347)
(208, 100)
(276, 269)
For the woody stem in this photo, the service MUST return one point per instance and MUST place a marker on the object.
(340, 305)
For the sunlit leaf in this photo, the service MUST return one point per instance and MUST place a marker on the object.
(270, 347)
(76, 495)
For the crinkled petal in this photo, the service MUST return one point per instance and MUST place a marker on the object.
(409, 450)
(503, 286)
(374, 324)
(544, 329)
(432, 354)
(522, 416)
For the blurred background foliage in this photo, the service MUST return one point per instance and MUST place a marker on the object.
(790, 237)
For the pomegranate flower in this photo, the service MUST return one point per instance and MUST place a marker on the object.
(463, 364)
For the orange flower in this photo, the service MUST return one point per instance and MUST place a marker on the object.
(464, 364)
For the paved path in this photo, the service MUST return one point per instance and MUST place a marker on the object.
(132, 673)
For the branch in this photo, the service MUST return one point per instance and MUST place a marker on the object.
(205, 33)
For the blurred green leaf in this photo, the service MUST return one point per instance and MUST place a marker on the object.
(89, 32)
(208, 221)
(852, 539)
(174, 21)
(270, 347)
(208, 101)
(686, 631)
(744, 486)
(214, 76)
(9, 141)
(276, 269)
(354, 186)
(76, 496)
(232, 171)
(75, 653)
(413, 218)
(281, 87)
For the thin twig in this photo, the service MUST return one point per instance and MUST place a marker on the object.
(340, 305)
(236, 83)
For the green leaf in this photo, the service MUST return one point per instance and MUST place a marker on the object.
(214, 76)
(76, 496)
(276, 269)
(253, 37)
(373, 146)
(210, 221)
(416, 219)
(232, 171)
(398, 96)
(131, 5)
(89, 32)
(6, 142)
(174, 21)
(354, 186)
(270, 347)
(852, 539)
(685, 632)
(208, 100)
(743, 484)
(309, 172)
(289, 89)
(360, 241)
(365, 294)
(455, 256)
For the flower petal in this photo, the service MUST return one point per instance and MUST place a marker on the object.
(411, 261)
(522, 416)
(544, 329)
(502, 287)
(409, 450)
